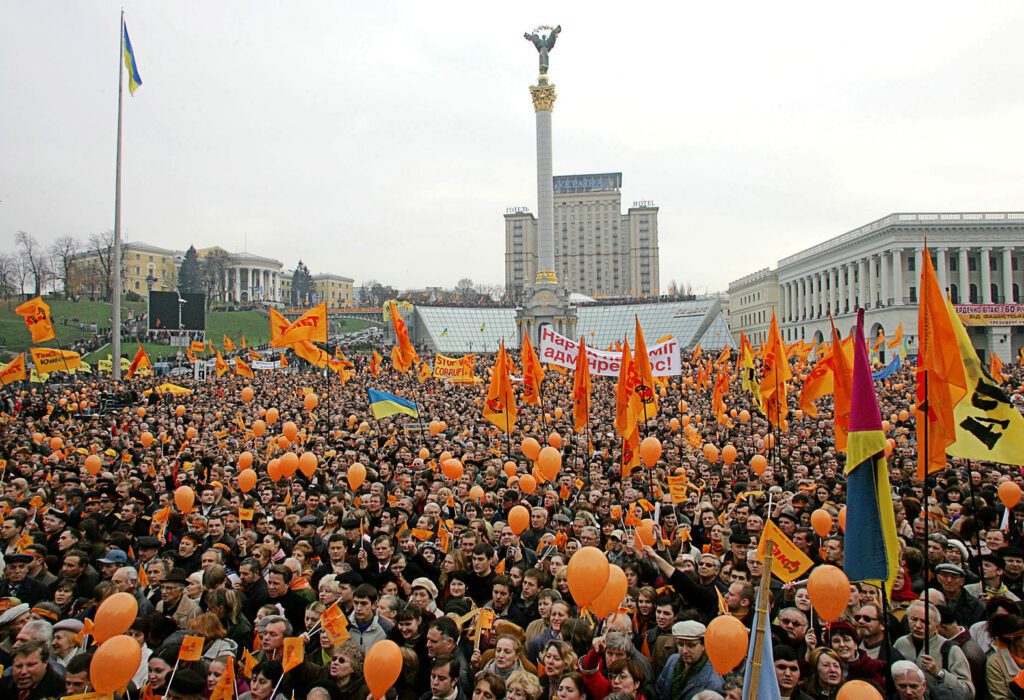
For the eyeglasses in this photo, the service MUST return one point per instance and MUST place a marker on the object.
(864, 618)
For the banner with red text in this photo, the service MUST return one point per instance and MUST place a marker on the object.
(666, 359)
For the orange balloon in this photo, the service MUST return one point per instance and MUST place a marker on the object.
(858, 690)
(190, 433)
(477, 493)
(245, 460)
(283, 442)
(821, 521)
(550, 462)
(435, 427)
(424, 453)
(890, 445)
(650, 450)
(842, 518)
(272, 415)
(114, 616)
(674, 424)
(725, 642)
(555, 440)
(356, 476)
(114, 664)
(588, 574)
(530, 448)
(729, 454)
(528, 483)
(769, 441)
(289, 463)
(307, 464)
(179, 410)
(558, 413)
(452, 468)
(710, 452)
(744, 415)
(510, 468)
(904, 415)
(146, 439)
(613, 594)
(258, 428)
(311, 401)
(445, 456)
(140, 412)
(382, 666)
(247, 394)
(518, 519)
(274, 470)
(758, 463)
(246, 480)
(93, 464)
(290, 430)
(184, 497)
(1009, 494)
(829, 589)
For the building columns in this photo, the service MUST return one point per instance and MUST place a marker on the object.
(885, 279)
(986, 276)
(238, 283)
(897, 277)
(833, 291)
(965, 277)
(1007, 275)
(872, 284)
(942, 268)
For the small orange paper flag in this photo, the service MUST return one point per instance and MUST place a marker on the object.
(225, 688)
(294, 653)
(248, 663)
(86, 627)
(191, 648)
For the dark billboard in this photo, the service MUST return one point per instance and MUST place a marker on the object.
(164, 311)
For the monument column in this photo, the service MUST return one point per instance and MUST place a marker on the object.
(544, 96)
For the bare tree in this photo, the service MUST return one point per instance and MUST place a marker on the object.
(63, 252)
(493, 292)
(101, 245)
(35, 259)
(213, 267)
(22, 272)
(8, 275)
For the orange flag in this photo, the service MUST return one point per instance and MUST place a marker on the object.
(225, 688)
(375, 361)
(284, 360)
(294, 653)
(897, 338)
(819, 382)
(221, 366)
(229, 345)
(37, 317)
(627, 402)
(406, 350)
(244, 346)
(645, 389)
(242, 369)
(940, 369)
(13, 371)
(776, 373)
(278, 324)
(719, 392)
(581, 388)
(533, 373)
(248, 663)
(842, 386)
(311, 353)
(191, 648)
(995, 368)
(140, 360)
(311, 326)
(500, 404)
(254, 356)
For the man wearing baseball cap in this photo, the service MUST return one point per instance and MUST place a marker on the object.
(688, 671)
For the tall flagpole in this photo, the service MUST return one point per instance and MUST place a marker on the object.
(115, 264)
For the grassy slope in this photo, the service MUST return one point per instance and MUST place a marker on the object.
(252, 324)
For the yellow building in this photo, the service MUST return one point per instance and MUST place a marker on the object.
(334, 289)
(144, 267)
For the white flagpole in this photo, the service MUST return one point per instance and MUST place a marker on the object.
(115, 263)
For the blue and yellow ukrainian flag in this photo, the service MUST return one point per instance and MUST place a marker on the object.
(872, 550)
(383, 404)
(134, 81)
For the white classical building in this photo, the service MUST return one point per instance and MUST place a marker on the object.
(752, 301)
(878, 267)
(252, 278)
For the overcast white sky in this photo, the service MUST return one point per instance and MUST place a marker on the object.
(384, 140)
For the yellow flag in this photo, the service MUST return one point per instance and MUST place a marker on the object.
(242, 369)
(988, 427)
(48, 360)
(221, 367)
(278, 324)
(37, 317)
(14, 371)
(789, 561)
(229, 345)
(500, 403)
(311, 326)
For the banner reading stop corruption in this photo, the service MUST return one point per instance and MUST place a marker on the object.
(666, 357)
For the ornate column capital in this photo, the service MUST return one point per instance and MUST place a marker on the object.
(544, 97)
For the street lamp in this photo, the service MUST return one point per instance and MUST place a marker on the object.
(181, 303)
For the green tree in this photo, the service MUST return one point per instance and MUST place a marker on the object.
(190, 276)
(302, 285)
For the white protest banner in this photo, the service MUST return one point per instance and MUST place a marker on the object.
(666, 359)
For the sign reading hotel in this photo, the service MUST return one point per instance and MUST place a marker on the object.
(991, 314)
(666, 359)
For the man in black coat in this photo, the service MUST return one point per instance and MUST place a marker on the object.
(18, 584)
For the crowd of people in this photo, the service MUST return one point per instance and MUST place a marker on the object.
(412, 556)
